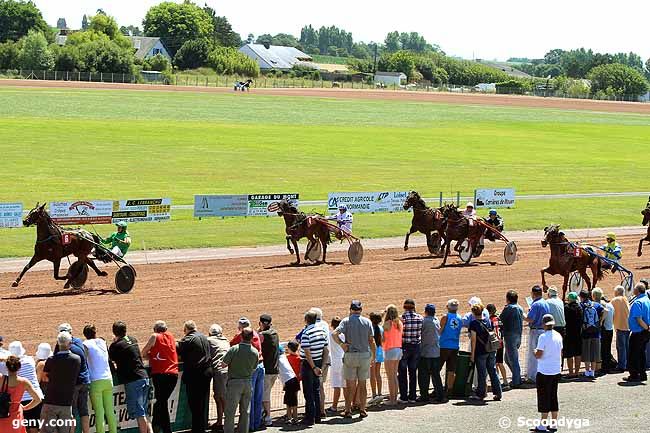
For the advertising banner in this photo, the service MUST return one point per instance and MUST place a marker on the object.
(11, 214)
(82, 212)
(258, 204)
(501, 197)
(140, 210)
(220, 205)
(359, 202)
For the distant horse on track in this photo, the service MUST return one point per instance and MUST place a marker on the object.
(427, 221)
(49, 245)
(458, 228)
(646, 222)
(298, 226)
(563, 260)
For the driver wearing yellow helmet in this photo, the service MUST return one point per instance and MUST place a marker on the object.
(612, 249)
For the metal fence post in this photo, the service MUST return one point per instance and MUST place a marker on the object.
(440, 198)
(457, 198)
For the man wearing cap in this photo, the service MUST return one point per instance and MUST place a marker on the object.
(257, 381)
(548, 353)
(359, 352)
(219, 345)
(538, 309)
(556, 307)
(512, 320)
(411, 338)
(120, 240)
(270, 354)
(429, 367)
(612, 249)
(82, 389)
(343, 219)
(639, 323)
(450, 328)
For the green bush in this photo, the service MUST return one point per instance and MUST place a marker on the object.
(35, 53)
(516, 87)
(229, 61)
(305, 71)
(617, 80)
(9, 55)
(158, 63)
(193, 54)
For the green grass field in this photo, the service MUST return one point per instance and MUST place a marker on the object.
(68, 144)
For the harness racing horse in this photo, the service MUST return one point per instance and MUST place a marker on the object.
(563, 260)
(459, 228)
(646, 222)
(50, 245)
(298, 226)
(427, 221)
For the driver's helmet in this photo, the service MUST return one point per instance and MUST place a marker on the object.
(122, 224)
(493, 212)
(469, 204)
(343, 208)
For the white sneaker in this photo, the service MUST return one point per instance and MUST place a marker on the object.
(268, 422)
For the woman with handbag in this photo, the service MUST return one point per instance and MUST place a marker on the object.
(484, 354)
(12, 389)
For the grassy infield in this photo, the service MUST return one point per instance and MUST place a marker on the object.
(58, 144)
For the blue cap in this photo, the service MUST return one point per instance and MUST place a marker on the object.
(430, 309)
(493, 211)
(355, 305)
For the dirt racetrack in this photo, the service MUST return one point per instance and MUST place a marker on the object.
(414, 96)
(223, 290)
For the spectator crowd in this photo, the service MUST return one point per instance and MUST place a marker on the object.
(239, 373)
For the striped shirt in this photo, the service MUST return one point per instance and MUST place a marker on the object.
(28, 371)
(316, 340)
(412, 333)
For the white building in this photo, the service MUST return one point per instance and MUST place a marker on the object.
(148, 47)
(275, 57)
(390, 78)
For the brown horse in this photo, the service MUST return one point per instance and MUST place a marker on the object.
(646, 222)
(298, 226)
(49, 245)
(563, 260)
(427, 221)
(458, 228)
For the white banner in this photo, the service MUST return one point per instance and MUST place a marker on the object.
(501, 197)
(220, 205)
(360, 202)
(119, 400)
(140, 210)
(258, 204)
(11, 214)
(82, 212)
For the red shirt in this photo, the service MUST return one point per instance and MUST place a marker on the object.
(256, 342)
(163, 358)
(294, 360)
(495, 324)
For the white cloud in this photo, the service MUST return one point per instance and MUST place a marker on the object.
(507, 28)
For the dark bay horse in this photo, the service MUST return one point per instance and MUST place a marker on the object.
(298, 226)
(458, 228)
(646, 222)
(49, 245)
(563, 260)
(427, 221)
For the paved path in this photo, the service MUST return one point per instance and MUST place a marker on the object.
(187, 255)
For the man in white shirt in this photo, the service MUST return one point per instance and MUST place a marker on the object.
(343, 219)
(549, 369)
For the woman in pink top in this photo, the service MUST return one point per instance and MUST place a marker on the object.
(16, 387)
(393, 329)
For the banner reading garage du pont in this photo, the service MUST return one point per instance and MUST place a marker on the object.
(367, 201)
(494, 197)
(239, 205)
(258, 204)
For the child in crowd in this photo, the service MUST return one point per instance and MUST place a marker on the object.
(336, 368)
(375, 369)
(289, 366)
(496, 324)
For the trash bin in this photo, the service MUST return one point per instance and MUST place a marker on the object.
(464, 376)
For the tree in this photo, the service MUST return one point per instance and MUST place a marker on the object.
(309, 37)
(102, 23)
(617, 80)
(647, 69)
(193, 54)
(226, 60)
(392, 42)
(176, 24)
(223, 33)
(158, 63)
(9, 55)
(553, 57)
(361, 51)
(265, 39)
(131, 30)
(35, 53)
(250, 38)
(400, 61)
(104, 55)
(18, 17)
(84, 22)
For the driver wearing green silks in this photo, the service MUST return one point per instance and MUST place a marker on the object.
(120, 240)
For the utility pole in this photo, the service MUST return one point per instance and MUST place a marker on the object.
(374, 68)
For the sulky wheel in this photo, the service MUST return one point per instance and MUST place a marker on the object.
(465, 251)
(355, 253)
(79, 274)
(510, 253)
(125, 279)
(576, 282)
(314, 251)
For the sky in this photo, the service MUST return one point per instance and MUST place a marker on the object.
(465, 28)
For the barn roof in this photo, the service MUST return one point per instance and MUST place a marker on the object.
(279, 57)
(143, 45)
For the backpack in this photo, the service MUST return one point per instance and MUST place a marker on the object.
(5, 398)
(590, 323)
(493, 343)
